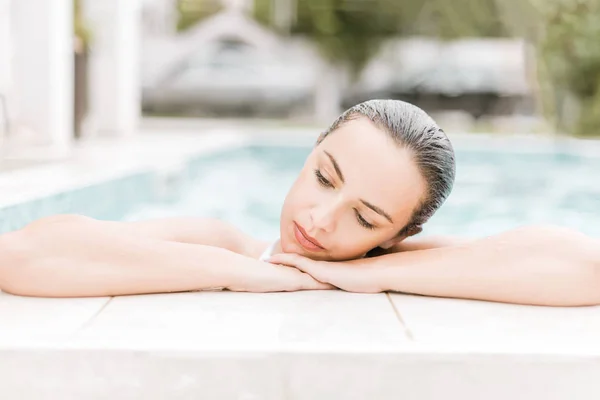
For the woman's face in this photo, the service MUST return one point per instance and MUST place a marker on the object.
(356, 191)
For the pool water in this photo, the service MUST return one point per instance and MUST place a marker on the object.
(494, 191)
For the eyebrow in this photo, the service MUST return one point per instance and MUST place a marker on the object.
(377, 210)
(336, 167)
(366, 203)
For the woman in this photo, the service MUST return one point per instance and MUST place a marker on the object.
(371, 182)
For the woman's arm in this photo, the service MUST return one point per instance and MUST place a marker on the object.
(77, 256)
(422, 243)
(534, 265)
(196, 230)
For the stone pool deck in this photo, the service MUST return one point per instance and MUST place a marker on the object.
(303, 345)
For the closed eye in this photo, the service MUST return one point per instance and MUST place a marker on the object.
(322, 180)
(327, 184)
(363, 222)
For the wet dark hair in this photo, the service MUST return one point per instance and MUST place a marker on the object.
(414, 129)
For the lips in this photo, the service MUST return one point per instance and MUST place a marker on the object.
(305, 240)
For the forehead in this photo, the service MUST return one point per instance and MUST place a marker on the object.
(375, 167)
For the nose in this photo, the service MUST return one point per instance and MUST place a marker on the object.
(324, 216)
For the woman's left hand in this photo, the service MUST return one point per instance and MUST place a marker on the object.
(343, 275)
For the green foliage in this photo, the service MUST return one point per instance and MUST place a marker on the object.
(347, 32)
(460, 18)
(570, 51)
(566, 35)
(190, 12)
(80, 29)
(588, 123)
(262, 12)
(350, 32)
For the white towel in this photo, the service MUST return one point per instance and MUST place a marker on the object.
(268, 251)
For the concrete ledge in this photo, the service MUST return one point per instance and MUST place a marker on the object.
(303, 345)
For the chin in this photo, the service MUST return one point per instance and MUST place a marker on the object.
(285, 245)
(289, 246)
(328, 257)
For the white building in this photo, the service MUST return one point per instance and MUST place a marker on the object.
(5, 63)
(228, 62)
(37, 71)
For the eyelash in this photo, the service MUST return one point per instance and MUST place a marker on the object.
(322, 180)
(327, 184)
(362, 221)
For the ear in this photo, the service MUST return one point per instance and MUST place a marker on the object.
(411, 231)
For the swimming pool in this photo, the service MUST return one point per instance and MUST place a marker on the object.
(494, 190)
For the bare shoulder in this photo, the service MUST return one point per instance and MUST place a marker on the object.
(198, 230)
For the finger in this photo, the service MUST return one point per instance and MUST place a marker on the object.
(298, 280)
(281, 258)
(292, 260)
(311, 283)
(314, 268)
(323, 286)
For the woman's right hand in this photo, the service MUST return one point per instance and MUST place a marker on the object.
(261, 277)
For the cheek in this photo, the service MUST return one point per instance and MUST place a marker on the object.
(354, 238)
(304, 192)
(300, 196)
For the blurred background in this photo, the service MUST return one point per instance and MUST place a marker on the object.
(477, 65)
(506, 66)
(76, 73)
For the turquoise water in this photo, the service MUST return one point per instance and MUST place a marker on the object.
(110, 200)
(494, 191)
